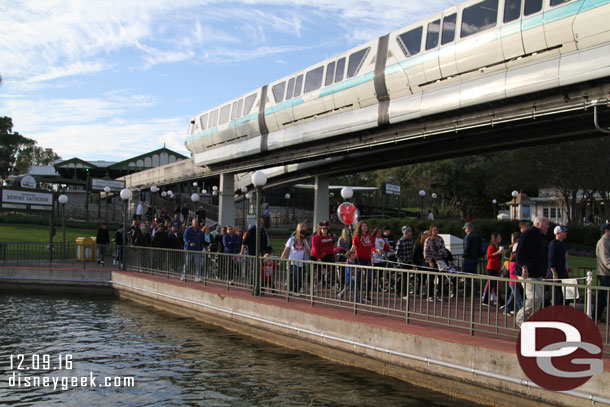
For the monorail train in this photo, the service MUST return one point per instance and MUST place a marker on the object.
(476, 52)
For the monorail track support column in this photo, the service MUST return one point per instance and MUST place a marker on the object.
(321, 202)
(226, 203)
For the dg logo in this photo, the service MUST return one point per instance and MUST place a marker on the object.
(560, 348)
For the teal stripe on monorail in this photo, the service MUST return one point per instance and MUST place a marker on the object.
(242, 120)
(284, 105)
(348, 83)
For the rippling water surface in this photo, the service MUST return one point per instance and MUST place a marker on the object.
(174, 361)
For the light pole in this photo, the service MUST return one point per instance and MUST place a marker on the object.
(153, 190)
(422, 193)
(214, 194)
(494, 202)
(514, 194)
(434, 196)
(125, 196)
(287, 197)
(259, 179)
(63, 200)
(195, 199)
(244, 191)
(347, 193)
(107, 191)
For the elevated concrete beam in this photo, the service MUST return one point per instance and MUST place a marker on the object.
(226, 204)
(321, 202)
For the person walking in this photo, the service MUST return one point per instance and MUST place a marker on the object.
(297, 249)
(102, 241)
(434, 250)
(557, 262)
(532, 256)
(193, 244)
(494, 263)
(363, 244)
(472, 249)
(602, 252)
(322, 251)
(404, 254)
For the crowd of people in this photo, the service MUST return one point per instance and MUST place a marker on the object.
(527, 257)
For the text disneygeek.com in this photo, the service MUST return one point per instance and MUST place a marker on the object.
(67, 382)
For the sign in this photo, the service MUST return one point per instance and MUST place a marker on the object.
(560, 348)
(27, 181)
(98, 184)
(391, 189)
(19, 196)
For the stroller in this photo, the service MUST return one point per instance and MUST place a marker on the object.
(446, 265)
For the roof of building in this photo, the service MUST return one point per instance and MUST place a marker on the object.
(42, 171)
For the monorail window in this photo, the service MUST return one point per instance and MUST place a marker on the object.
(298, 86)
(225, 111)
(558, 2)
(203, 119)
(448, 28)
(290, 89)
(410, 42)
(355, 62)
(278, 92)
(234, 111)
(240, 106)
(213, 118)
(248, 104)
(479, 17)
(313, 79)
(340, 70)
(330, 73)
(512, 10)
(432, 36)
(531, 7)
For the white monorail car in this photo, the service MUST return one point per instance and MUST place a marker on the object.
(476, 52)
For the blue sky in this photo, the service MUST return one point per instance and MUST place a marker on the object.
(113, 79)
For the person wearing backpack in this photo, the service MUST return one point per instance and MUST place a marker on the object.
(297, 249)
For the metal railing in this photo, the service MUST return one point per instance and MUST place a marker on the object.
(57, 254)
(408, 293)
(441, 298)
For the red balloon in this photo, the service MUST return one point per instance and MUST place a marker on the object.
(348, 213)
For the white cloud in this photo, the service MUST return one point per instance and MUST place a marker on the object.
(114, 141)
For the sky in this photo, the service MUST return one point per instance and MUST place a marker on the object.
(108, 80)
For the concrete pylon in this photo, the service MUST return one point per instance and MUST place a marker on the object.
(321, 202)
(226, 202)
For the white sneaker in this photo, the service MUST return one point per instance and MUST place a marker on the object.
(198, 280)
(183, 278)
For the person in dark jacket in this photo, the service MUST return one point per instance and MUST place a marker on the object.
(102, 240)
(532, 256)
(472, 249)
(118, 239)
(143, 239)
(161, 238)
(249, 241)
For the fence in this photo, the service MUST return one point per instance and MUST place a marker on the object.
(55, 254)
(409, 294)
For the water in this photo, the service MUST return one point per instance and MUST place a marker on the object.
(175, 361)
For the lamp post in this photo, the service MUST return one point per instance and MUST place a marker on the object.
(106, 191)
(195, 199)
(347, 193)
(287, 197)
(153, 190)
(494, 202)
(259, 179)
(514, 194)
(244, 191)
(63, 200)
(422, 193)
(125, 196)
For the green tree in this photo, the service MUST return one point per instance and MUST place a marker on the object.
(11, 143)
(34, 155)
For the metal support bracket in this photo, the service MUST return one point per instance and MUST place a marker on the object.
(597, 126)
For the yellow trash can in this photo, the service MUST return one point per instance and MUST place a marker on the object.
(85, 248)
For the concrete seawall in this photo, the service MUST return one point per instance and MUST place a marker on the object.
(481, 369)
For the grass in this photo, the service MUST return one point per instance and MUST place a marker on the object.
(38, 233)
